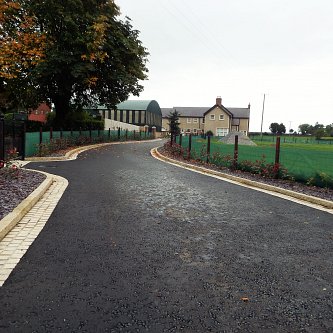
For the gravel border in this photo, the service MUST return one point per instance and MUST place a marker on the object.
(13, 190)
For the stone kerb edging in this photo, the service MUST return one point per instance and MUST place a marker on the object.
(250, 183)
(11, 219)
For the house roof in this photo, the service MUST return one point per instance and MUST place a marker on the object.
(185, 111)
(240, 112)
(140, 105)
(201, 111)
(220, 107)
(166, 111)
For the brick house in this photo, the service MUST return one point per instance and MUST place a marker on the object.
(40, 113)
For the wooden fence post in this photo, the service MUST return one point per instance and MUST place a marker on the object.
(189, 146)
(236, 152)
(119, 133)
(208, 149)
(277, 156)
(180, 139)
(51, 133)
(24, 138)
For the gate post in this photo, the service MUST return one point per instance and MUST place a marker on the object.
(24, 138)
(208, 150)
(277, 157)
(236, 152)
(189, 146)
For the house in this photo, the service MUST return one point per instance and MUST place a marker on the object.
(136, 112)
(221, 120)
(40, 113)
(218, 119)
(191, 119)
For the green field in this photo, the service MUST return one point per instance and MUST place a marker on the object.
(304, 161)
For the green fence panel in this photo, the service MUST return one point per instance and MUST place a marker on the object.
(77, 138)
(31, 143)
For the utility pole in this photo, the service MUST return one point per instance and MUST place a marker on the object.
(262, 115)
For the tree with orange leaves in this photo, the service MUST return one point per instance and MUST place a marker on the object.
(71, 53)
(22, 47)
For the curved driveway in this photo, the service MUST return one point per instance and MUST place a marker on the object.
(136, 245)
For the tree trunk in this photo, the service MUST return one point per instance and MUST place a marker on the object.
(62, 108)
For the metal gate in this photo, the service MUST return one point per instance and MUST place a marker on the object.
(12, 137)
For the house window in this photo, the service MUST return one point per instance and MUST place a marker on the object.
(212, 117)
(195, 130)
(189, 120)
(221, 117)
(188, 130)
(222, 131)
(195, 120)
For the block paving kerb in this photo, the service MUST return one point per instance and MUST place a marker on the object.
(15, 244)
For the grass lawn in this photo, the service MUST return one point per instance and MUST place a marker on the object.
(302, 160)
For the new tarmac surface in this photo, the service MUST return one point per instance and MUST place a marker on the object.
(137, 245)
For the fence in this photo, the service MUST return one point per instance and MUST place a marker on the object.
(305, 163)
(12, 138)
(40, 143)
(301, 139)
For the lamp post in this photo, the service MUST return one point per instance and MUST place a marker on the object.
(262, 115)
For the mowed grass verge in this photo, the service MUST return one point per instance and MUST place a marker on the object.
(303, 161)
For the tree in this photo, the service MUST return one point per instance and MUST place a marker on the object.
(329, 130)
(281, 129)
(277, 128)
(21, 48)
(174, 122)
(274, 127)
(305, 129)
(90, 56)
(319, 133)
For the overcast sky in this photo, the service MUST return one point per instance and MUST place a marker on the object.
(240, 50)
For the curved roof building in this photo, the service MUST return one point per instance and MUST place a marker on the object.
(136, 112)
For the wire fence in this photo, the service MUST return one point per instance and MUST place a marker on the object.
(297, 139)
(308, 163)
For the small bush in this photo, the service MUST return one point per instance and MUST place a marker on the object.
(8, 168)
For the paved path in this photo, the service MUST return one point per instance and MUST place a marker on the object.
(136, 245)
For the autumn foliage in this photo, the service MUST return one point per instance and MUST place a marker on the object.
(70, 53)
(22, 45)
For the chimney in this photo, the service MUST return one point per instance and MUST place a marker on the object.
(219, 101)
(249, 106)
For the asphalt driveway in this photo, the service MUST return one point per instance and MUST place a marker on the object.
(136, 245)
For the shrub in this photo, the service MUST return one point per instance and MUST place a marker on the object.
(8, 168)
(264, 169)
(175, 149)
(210, 133)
